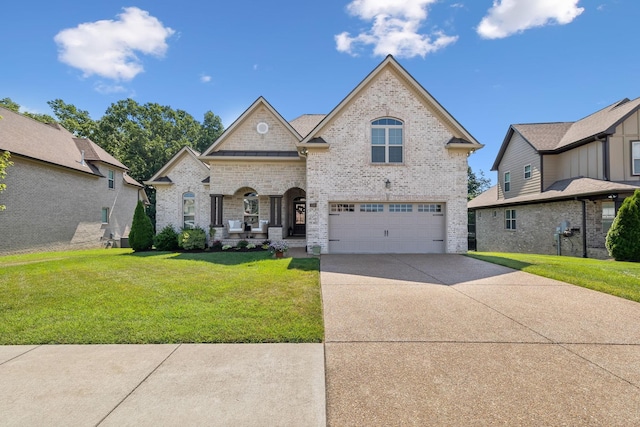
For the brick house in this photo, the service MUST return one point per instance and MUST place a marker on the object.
(62, 192)
(561, 184)
(384, 171)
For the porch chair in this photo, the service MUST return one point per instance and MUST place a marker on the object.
(262, 228)
(236, 226)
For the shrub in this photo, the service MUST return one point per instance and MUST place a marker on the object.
(192, 238)
(226, 247)
(242, 244)
(216, 245)
(166, 240)
(623, 238)
(141, 234)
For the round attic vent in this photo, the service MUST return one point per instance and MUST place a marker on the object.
(262, 128)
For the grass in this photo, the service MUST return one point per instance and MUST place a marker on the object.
(116, 296)
(616, 278)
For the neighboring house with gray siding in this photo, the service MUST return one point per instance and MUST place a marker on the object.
(385, 171)
(561, 184)
(62, 192)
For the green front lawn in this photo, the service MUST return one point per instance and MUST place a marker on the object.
(116, 296)
(616, 278)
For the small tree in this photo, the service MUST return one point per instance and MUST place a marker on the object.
(4, 164)
(623, 238)
(141, 234)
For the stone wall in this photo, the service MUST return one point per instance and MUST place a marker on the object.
(536, 226)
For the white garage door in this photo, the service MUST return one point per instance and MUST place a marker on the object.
(387, 228)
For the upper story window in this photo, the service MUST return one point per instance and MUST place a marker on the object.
(527, 172)
(635, 157)
(111, 179)
(507, 181)
(251, 209)
(188, 210)
(386, 141)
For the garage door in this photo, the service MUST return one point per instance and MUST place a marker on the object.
(387, 228)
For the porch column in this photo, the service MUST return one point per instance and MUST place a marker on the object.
(275, 211)
(216, 210)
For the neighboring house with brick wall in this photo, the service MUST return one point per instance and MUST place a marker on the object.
(62, 192)
(560, 184)
(385, 171)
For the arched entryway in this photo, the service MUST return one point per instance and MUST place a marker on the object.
(295, 212)
(299, 216)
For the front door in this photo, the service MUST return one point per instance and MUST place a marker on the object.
(299, 218)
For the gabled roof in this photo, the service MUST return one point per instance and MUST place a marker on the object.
(50, 143)
(160, 176)
(306, 122)
(260, 102)
(558, 137)
(389, 62)
(571, 188)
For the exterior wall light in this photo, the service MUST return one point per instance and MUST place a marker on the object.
(387, 184)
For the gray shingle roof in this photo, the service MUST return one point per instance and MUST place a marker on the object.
(53, 144)
(306, 122)
(559, 190)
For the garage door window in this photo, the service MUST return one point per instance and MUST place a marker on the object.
(372, 207)
(386, 141)
(400, 207)
(343, 207)
(430, 208)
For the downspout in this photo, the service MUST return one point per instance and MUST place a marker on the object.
(584, 228)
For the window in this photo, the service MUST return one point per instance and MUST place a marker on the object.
(105, 215)
(430, 208)
(111, 179)
(343, 207)
(251, 208)
(635, 157)
(507, 181)
(400, 207)
(386, 141)
(527, 172)
(608, 215)
(372, 207)
(510, 219)
(188, 210)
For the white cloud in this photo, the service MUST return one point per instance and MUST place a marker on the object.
(395, 29)
(508, 17)
(205, 78)
(106, 89)
(108, 48)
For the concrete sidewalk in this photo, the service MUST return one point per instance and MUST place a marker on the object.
(162, 385)
(449, 340)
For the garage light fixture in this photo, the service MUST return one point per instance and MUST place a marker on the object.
(387, 184)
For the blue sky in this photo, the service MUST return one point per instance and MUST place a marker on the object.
(490, 63)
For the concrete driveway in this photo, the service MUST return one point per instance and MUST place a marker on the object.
(449, 340)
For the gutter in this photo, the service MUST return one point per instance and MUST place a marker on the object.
(584, 227)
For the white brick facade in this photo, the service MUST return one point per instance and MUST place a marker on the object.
(334, 164)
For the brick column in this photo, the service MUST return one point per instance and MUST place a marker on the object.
(275, 211)
(216, 210)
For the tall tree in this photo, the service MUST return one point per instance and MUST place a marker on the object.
(144, 137)
(476, 183)
(211, 129)
(9, 104)
(76, 121)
